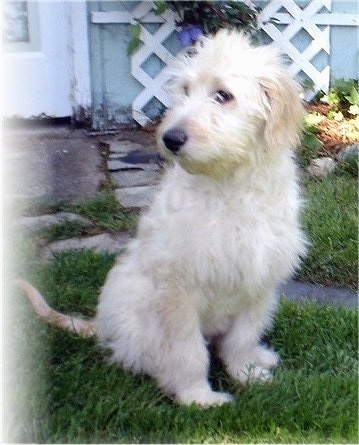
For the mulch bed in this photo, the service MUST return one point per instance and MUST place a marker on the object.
(335, 135)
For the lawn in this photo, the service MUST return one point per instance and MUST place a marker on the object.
(330, 219)
(64, 391)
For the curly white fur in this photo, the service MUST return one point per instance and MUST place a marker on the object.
(222, 232)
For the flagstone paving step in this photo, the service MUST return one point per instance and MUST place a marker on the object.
(300, 291)
(134, 170)
(102, 243)
(41, 222)
(114, 165)
(136, 197)
(134, 178)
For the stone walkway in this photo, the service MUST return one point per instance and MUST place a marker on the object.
(134, 169)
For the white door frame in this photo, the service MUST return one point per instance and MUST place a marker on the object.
(81, 98)
(49, 76)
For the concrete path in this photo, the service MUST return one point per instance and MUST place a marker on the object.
(43, 163)
(50, 163)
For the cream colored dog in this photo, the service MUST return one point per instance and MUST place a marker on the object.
(221, 234)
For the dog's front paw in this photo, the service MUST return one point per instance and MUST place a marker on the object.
(203, 397)
(254, 366)
(266, 358)
(251, 373)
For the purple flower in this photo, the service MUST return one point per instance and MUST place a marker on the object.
(189, 34)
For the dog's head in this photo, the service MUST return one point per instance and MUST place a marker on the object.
(233, 104)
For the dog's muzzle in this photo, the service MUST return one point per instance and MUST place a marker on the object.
(174, 139)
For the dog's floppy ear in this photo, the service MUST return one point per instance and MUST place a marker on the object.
(284, 110)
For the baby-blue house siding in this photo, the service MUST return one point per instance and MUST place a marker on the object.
(345, 44)
(114, 88)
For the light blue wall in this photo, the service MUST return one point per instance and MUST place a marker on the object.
(114, 88)
(345, 44)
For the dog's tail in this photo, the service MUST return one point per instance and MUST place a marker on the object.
(85, 328)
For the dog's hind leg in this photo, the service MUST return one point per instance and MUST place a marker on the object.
(153, 327)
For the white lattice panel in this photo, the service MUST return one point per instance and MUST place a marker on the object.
(292, 21)
(152, 45)
(296, 20)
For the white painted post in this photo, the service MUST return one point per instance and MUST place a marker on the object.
(80, 59)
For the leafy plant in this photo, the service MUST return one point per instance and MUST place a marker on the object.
(135, 33)
(353, 99)
(210, 16)
(197, 18)
(343, 98)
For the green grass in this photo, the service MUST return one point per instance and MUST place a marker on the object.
(330, 218)
(313, 397)
(65, 230)
(103, 210)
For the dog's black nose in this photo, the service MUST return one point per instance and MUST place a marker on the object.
(174, 139)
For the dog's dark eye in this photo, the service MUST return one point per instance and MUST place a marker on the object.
(186, 89)
(222, 97)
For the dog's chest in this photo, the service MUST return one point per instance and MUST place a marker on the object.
(214, 238)
(229, 241)
(228, 253)
(226, 240)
